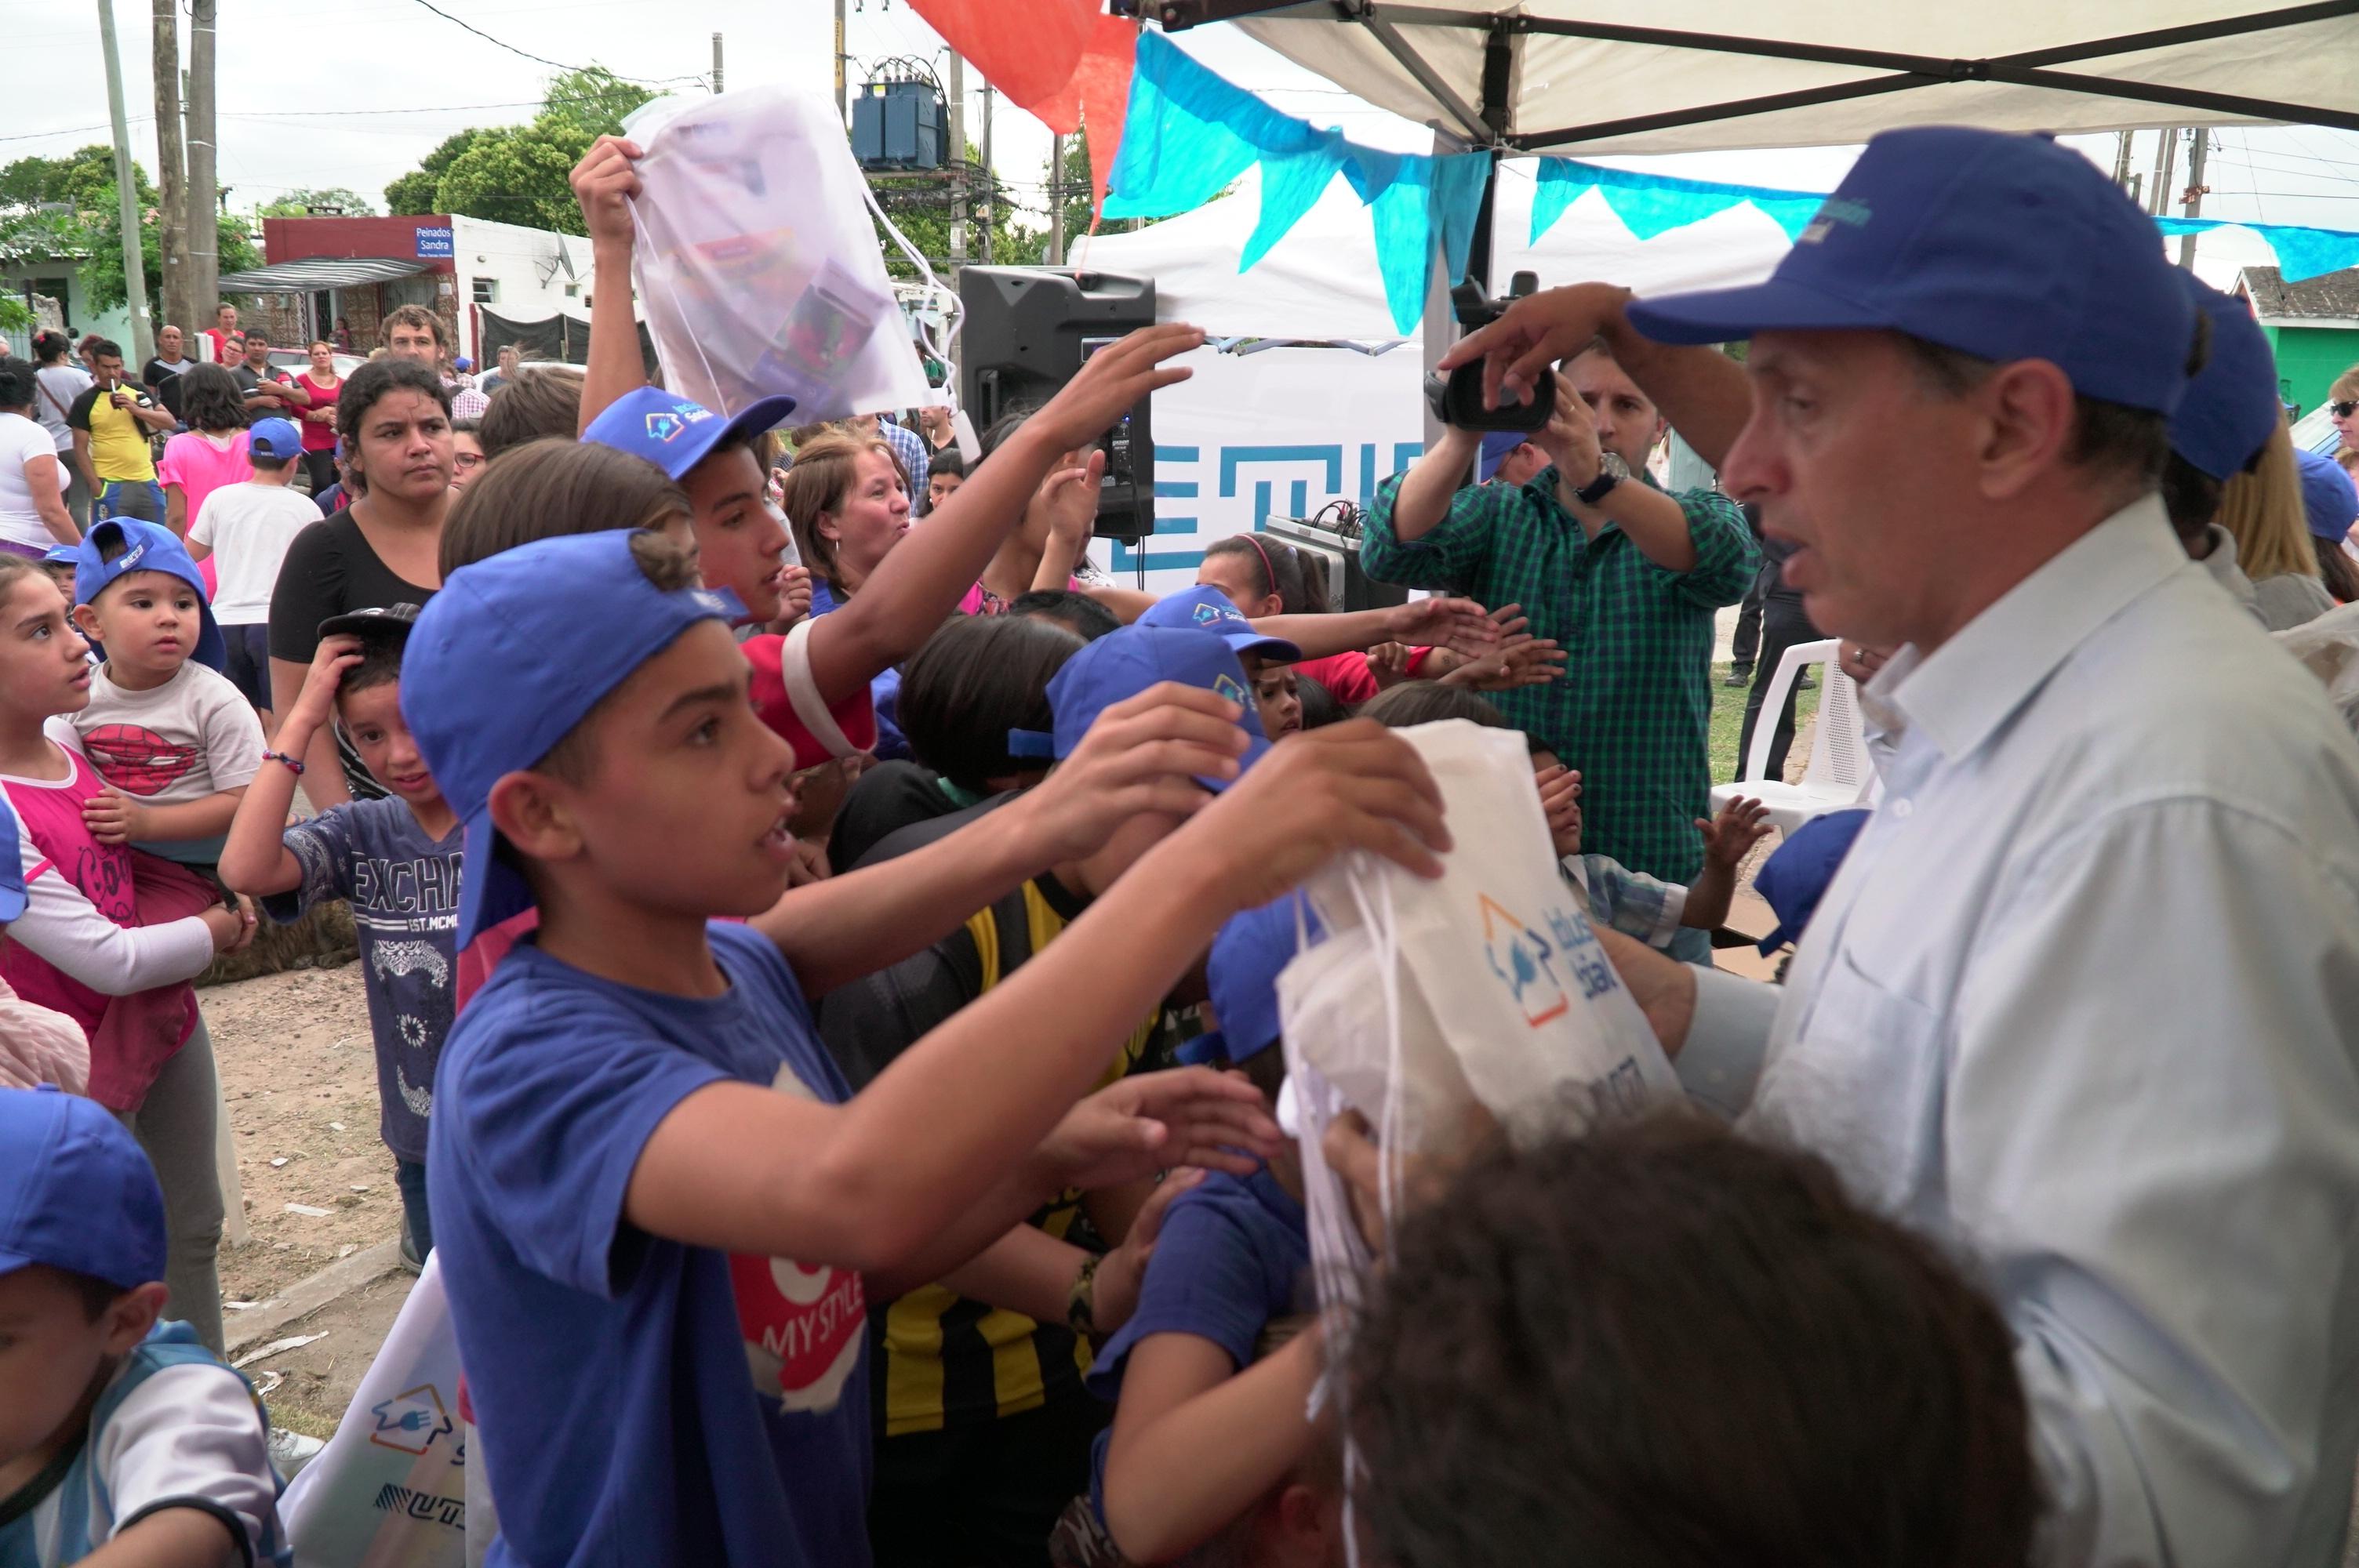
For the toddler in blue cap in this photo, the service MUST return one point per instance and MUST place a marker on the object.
(660, 1211)
(174, 740)
(116, 1431)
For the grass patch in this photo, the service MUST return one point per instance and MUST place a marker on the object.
(1728, 720)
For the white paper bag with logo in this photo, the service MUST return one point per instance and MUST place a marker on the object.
(390, 1488)
(757, 263)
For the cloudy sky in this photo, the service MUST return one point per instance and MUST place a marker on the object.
(352, 92)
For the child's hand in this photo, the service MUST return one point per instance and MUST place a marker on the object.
(1560, 789)
(1459, 624)
(114, 818)
(1519, 660)
(1143, 753)
(1730, 837)
(1154, 1121)
(335, 655)
(1069, 496)
(1113, 1291)
(794, 598)
(232, 929)
(1388, 662)
(1354, 786)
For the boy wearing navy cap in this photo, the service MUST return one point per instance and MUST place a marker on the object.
(121, 1437)
(175, 742)
(1956, 405)
(395, 859)
(638, 1128)
(987, 1428)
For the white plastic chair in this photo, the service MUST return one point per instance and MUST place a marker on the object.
(1840, 770)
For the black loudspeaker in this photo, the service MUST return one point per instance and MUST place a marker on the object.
(1027, 331)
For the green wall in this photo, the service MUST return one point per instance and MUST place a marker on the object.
(2309, 359)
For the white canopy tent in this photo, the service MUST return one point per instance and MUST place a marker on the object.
(1321, 280)
(1694, 75)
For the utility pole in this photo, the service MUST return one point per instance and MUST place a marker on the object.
(2166, 159)
(842, 107)
(204, 228)
(958, 166)
(1056, 200)
(126, 190)
(990, 211)
(2122, 160)
(2195, 153)
(716, 65)
(171, 178)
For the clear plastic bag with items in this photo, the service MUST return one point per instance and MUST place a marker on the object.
(757, 260)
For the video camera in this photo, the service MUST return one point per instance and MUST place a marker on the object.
(1458, 400)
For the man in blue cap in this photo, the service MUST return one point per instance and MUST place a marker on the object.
(2083, 998)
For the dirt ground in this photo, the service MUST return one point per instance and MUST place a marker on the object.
(298, 1076)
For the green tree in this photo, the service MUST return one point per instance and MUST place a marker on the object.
(516, 174)
(304, 203)
(412, 195)
(67, 208)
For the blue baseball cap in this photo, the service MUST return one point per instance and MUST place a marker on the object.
(277, 439)
(1242, 976)
(2002, 246)
(76, 1191)
(1796, 872)
(63, 556)
(1496, 445)
(1210, 609)
(147, 547)
(674, 433)
(513, 653)
(2329, 500)
(2231, 408)
(1121, 664)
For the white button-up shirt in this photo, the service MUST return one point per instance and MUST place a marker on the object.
(2083, 1002)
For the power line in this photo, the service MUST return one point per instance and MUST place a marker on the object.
(543, 60)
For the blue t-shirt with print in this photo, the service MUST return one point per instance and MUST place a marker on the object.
(403, 889)
(1232, 1256)
(640, 1400)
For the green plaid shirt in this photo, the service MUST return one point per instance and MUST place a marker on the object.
(1632, 709)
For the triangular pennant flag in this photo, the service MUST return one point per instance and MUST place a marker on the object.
(1291, 186)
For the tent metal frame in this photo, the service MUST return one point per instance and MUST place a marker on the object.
(1485, 123)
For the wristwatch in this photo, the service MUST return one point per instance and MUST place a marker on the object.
(1611, 471)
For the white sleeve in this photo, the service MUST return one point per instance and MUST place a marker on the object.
(802, 691)
(1719, 1062)
(190, 1436)
(2161, 1181)
(64, 929)
(232, 734)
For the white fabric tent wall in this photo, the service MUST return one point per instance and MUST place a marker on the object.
(1287, 430)
(1558, 82)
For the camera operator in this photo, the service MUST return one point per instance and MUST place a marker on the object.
(1624, 577)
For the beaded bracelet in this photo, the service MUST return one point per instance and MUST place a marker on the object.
(294, 764)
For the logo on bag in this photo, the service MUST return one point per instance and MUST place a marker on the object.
(1524, 962)
(411, 1420)
(805, 1328)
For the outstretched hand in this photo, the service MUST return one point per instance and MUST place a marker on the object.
(1731, 833)
(1354, 786)
(1460, 624)
(1113, 380)
(1560, 789)
(1156, 1122)
(1145, 753)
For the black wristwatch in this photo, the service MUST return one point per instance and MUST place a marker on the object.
(1611, 471)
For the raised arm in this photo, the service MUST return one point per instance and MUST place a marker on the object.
(255, 860)
(922, 578)
(1701, 391)
(604, 183)
(867, 1186)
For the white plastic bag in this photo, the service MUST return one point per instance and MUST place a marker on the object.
(390, 1488)
(756, 261)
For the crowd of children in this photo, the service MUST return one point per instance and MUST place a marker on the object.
(831, 1162)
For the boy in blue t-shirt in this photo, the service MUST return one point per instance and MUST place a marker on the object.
(660, 1215)
(396, 860)
(1207, 1427)
(121, 1438)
